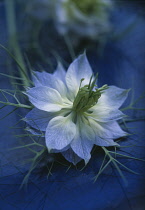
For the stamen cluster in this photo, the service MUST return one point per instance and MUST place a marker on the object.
(87, 97)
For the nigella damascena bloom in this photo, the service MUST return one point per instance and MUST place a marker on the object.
(73, 112)
(85, 18)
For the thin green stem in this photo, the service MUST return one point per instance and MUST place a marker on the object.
(69, 46)
(115, 164)
(16, 105)
(126, 156)
(13, 40)
(131, 108)
(102, 169)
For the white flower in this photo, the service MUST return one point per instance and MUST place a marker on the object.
(86, 18)
(74, 114)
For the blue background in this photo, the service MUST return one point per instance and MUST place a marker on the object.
(120, 63)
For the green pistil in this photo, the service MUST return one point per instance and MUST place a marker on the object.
(87, 97)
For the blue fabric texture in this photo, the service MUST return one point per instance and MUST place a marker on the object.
(121, 62)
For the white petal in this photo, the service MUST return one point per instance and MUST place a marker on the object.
(42, 78)
(62, 89)
(60, 132)
(71, 156)
(80, 68)
(38, 119)
(45, 98)
(83, 141)
(113, 97)
(60, 72)
(105, 114)
(104, 142)
(52, 81)
(106, 132)
(60, 150)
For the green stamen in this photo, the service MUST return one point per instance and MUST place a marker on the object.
(87, 97)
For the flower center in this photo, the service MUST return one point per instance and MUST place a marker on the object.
(87, 96)
(89, 6)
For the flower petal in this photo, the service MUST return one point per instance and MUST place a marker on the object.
(60, 132)
(45, 98)
(38, 119)
(60, 150)
(42, 78)
(61, 88)
(50, 80)
(106, 132)
(80, 68)
(35, 131)
(113, 97)
(105, 142)
(83, 141)
(71, 156)
(105, 114)
(60, 72)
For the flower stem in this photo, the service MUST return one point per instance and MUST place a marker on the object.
(17, 105)
(13, 40)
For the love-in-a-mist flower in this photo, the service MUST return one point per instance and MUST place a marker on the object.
(85, 18)
(73, 112)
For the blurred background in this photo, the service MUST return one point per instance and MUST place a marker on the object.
(39, 33)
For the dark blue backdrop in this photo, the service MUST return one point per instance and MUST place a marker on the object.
(121, 63)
